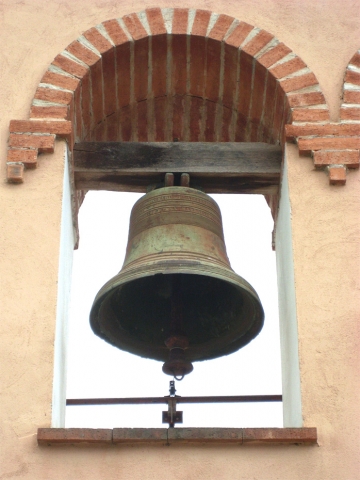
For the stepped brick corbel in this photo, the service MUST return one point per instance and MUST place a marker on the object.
(334, 147)
(28, 138)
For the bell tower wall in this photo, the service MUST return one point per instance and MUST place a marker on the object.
(318, 223)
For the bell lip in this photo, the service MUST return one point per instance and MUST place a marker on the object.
(215, 271)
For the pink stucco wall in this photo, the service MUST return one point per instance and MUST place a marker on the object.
(326, 245)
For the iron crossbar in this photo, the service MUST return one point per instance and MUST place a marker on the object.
(179, 399)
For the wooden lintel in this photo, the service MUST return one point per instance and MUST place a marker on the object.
(215, 167)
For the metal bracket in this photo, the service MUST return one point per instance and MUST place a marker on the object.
(172, 416)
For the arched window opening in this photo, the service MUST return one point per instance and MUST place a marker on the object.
(96, 369)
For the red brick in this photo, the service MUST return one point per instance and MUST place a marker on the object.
(309, 114)
(280, 435)
(306, 99)
(116, 33)
(141, 59)
(44, 143)
(50, 111)
(123, 74)
(113, 127)
(229, 77)
(212, 71)
(62, 128)
(109, 82)
(352, 96)
(350, 158)
(286, 120)
(178, 117)
(352, 113)
(15, 172)
(278, 114)
(97, 89)
(257, 43)
(52, 436)
(352, 77)
(71, 137)
(299, 82)
(221, 27)
(70, 66)
(180, 21)
(239, 34)
(240, 130)
(140, 435)
(253, 128)
(210, 116)
(99, 134)
(274, 55)
(54, 96)
(225, 125)
(293, 131)
(258, 93)
(265, 133)
(306, 145)
(156, 21)
(62, 81)
(86, 103)
(269, 107)
(201, 22)
(78, 115)
(101, 43)
(134, 26)
(196, 106)
(159, 65)
(287, 68)
(26, 157)
(197, 71)
(337, 175)
(126, 117)
(142, 121)
(83, 53)
(160, 114)
(179, 64)
(246, 72)
(355, 60)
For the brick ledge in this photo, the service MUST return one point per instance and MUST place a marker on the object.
(176, 436)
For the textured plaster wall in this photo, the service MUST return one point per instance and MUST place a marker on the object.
(325, 223)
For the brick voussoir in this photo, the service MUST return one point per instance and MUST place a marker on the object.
(115, 32)
(156, 21)
(98, 40)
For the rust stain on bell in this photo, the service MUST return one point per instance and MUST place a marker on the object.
(177, 283)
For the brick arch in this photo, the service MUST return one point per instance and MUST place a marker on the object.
(208, 77)
(350, 108)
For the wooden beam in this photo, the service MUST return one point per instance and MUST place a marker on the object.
(215, 167)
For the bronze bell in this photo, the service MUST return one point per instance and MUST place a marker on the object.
(176, 298)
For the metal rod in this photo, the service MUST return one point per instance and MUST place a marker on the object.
(156, 400)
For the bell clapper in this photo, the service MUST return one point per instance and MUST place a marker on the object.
(177, 343)
(171, 416)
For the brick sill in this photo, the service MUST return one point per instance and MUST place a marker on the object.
(176, 436)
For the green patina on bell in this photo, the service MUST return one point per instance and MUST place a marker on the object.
(176, 290)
